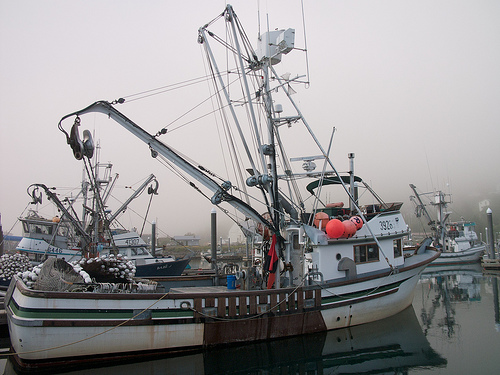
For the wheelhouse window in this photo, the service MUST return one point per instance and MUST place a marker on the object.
(366, 253)
(139, 251)
(40, 229)
(398, 248)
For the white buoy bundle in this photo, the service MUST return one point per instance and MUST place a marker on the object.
(30, 277)
(110, 268)
(11, 264)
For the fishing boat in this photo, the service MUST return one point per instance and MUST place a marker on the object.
(457, 240)
(70, 237)
(324, 266)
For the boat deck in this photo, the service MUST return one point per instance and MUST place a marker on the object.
(202, 289)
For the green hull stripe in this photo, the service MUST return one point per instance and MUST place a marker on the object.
(92, 314)
(363, 293)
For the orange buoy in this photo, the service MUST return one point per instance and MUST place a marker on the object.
(321, 219)
(357, 221)
(56, 219)
(349, 229)
(334, 228)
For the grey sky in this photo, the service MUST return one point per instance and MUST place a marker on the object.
(413, 88)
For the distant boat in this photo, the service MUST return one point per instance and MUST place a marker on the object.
(323, 267)
(457, 240)
(69, 237)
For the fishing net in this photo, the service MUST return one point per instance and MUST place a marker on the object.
(57, 275)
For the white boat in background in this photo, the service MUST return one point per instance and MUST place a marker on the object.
(457, 240)
(325, 267)
(48, 237)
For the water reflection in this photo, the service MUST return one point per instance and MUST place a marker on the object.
(392, 345)
(458, 309)
(442, 288)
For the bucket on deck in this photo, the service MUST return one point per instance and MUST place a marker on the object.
(231, 282)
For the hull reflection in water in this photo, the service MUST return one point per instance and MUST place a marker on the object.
(394, 344)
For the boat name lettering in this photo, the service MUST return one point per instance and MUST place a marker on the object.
(54, 250)
(386, 225)
(132, 241)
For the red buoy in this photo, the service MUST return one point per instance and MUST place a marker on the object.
(321, 219)
(357, 221)
(334, 228)
(349, 228)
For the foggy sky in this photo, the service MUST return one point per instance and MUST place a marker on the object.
(412, 87)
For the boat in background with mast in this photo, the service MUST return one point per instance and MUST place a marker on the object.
(323, 267)
(70, 237)
(457, 240)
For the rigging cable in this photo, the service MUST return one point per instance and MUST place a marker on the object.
(305, 44)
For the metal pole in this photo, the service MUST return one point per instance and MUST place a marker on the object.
(491, 240)
(1, 236)
(351, 181)
(214, 243)
(153, 238)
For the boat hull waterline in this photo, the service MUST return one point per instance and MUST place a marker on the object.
(471, 255)
(52, 326)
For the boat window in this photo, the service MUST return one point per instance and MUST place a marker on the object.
(37, 258)
(366, 253)
(397, 248)
(41, 229)
(295, 240)
(139, 251)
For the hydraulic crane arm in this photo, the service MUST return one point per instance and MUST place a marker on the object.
(421, 205)
(157, 147)
(124, 206)
(53, 197)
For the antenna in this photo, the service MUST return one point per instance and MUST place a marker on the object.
(305, 43)
(258, 20)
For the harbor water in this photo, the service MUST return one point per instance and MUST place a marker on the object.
(453, 327)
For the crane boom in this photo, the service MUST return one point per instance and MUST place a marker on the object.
(157, 147)
(421, 204)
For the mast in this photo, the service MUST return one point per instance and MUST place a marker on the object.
(442, 216)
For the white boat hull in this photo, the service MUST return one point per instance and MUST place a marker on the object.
(51, 326)
(471, 255)
(41, 247)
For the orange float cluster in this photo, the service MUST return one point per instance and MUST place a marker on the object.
(336, 228)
